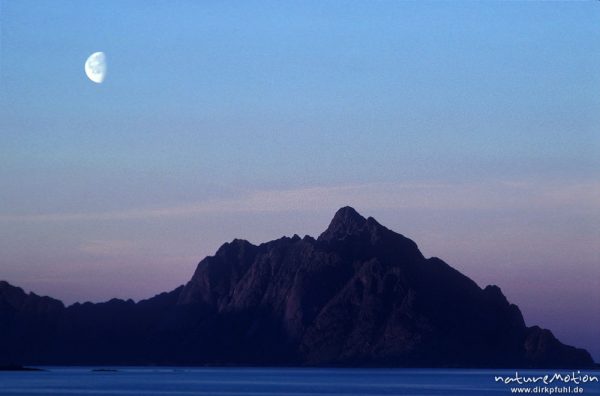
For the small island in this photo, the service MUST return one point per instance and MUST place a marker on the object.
(17, 367)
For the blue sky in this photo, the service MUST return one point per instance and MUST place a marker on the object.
(471, 127)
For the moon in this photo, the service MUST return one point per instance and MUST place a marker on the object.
(95, 67)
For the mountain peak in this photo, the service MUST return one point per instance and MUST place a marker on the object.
(346, 221)
(348, 213)
(366, 296)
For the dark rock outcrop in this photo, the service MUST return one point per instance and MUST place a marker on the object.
(359, 295)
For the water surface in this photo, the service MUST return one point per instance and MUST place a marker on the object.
(166, 381)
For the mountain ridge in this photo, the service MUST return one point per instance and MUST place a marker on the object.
(358, 295)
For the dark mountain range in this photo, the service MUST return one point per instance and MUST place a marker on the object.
(359, 295)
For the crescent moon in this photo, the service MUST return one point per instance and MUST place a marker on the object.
(95, 67)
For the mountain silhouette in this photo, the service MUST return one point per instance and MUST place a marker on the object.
(358, 295)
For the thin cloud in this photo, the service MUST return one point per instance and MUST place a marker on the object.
(109, 247)
(440, 196)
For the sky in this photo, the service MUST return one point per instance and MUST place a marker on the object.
(472, 128)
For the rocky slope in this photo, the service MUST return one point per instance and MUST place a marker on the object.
(359, 295)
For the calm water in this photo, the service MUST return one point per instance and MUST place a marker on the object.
(167, 381)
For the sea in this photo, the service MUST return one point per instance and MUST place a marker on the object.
(167, 381)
